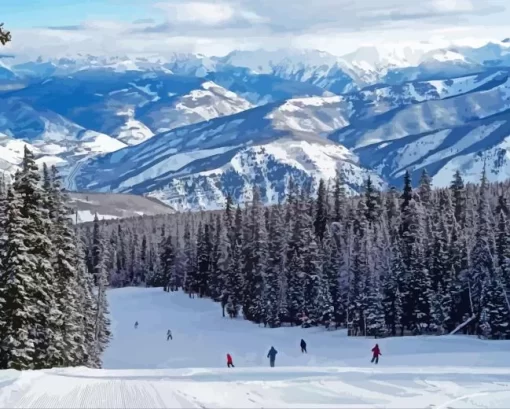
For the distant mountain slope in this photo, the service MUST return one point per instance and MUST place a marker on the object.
(191, 128)
(196, 166)
(114, 206)
(106, 101)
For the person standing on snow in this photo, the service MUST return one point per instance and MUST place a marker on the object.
(272, 356)
(168, 335)
(230, 363)
(303, 346)
(376, 353)
(136, 324)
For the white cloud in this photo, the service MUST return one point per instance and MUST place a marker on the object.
(217, 27)
(453, 5)
(198, 12)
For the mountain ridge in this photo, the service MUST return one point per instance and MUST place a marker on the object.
(172, 128)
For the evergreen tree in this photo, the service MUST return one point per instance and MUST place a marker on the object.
(37, 240)
(19, 310)
(275, 269)
(255, 256)
(235, 280)
(372, 202)
(102, 332)
(65, 263)
(321, 211)
(459, 198)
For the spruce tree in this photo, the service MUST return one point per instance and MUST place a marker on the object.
(19, 309)
(102, 332)
(37, 240)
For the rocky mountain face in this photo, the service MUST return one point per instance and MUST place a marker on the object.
(191, 129)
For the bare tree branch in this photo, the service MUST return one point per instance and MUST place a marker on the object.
(5, 36)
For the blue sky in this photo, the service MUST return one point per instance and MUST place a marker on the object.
(159, 27)
(36, 13)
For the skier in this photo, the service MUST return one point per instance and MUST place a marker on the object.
(376, 353)
(136, 324)
(303, 346)
(230, 364)
(272, 356)
(168, 335)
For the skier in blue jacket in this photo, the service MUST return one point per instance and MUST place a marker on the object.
(272, 356)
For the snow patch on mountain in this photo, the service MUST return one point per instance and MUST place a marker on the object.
(209, 102)
(268, 166)
(495, 160)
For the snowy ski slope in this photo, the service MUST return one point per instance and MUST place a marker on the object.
(145, 370)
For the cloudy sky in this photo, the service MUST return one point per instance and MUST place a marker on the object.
(215, 27)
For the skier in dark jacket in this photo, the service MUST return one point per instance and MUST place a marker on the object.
(136, 324)
(303, 346)
(376, 353)
(272, 356)
(169, 335)
(230, 363)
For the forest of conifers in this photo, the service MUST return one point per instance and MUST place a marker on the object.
(411, 261)
(51, 313)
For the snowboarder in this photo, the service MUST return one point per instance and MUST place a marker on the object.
(136, 324)
(272, 356)
(376, 353)
(303, 346)
(169, 335)
(230, 363)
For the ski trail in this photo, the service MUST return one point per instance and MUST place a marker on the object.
(104, 389)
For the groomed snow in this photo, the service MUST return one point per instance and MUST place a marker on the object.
(144, 370)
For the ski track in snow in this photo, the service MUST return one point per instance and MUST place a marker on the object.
(146, 371)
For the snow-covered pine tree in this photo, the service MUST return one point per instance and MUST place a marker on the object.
(190, 252)
(440, 310)
(18, 307)
(459, 198)
(407, 194)
(333, 266)
(275, 269)
(374, 315)
(359, 272)
(418, 286)
(204, 256)
(503, 246)
(235, 280)
(217, 274)
(102, 332)
(255, 259)
(440, 253)
(66, 282)
(425, 189)
(392, 289)
(372, 202)
(339, 197)
(167, 257)
(321, 211)
(37, 240)
(144, 255)
(483, 263)
(493, 301)
(87, 307)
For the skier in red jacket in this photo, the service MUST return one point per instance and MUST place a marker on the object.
(230, 364)
(376, 353)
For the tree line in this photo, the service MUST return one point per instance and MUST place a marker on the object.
(415, 261)
(51, 313)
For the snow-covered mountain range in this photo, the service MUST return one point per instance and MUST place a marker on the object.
(190, 129)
